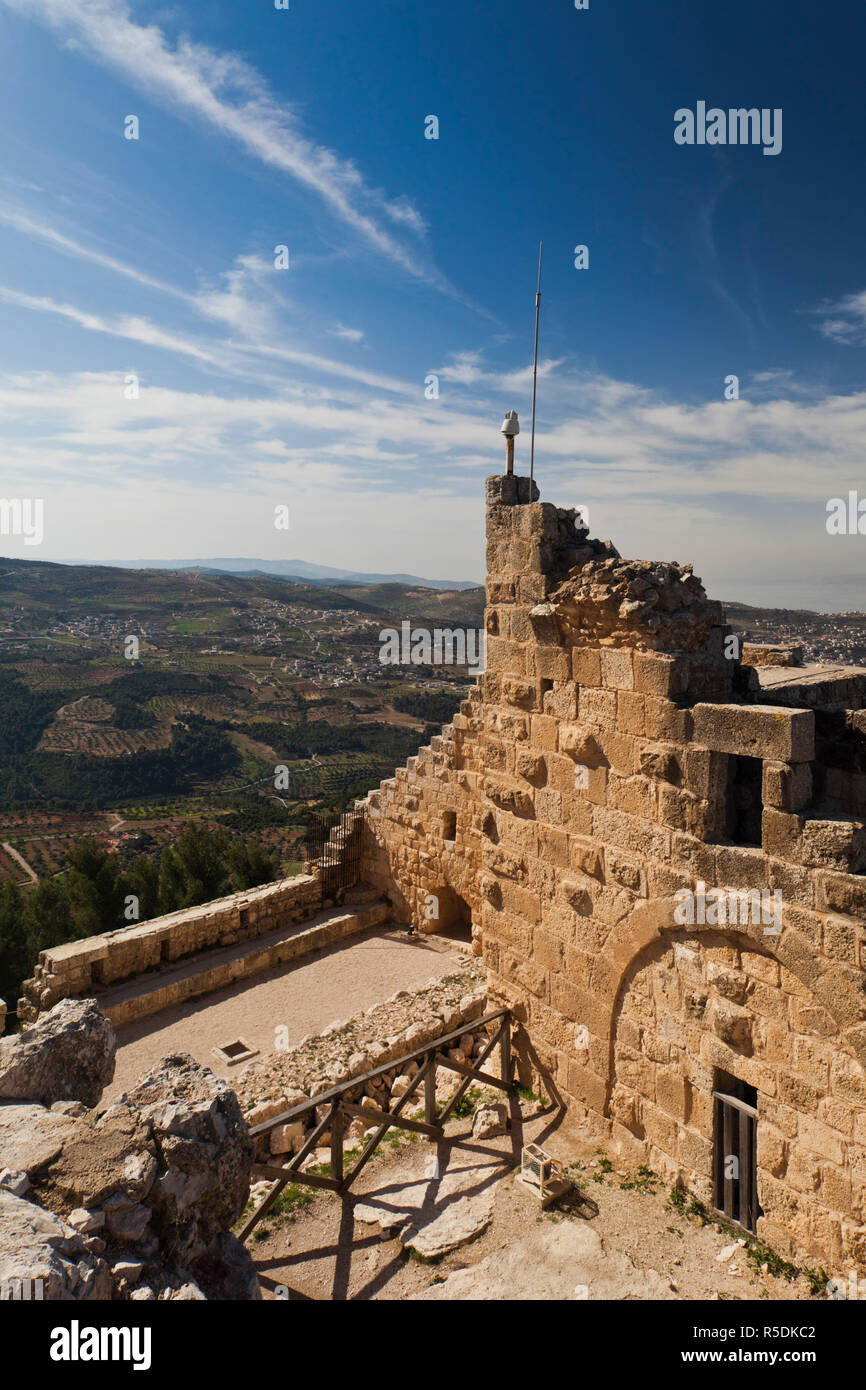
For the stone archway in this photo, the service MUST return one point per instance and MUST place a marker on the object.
(651, 921)
(695, 1005)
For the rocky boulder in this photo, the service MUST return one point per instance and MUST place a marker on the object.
(137, 1202)
(68, 1054)
(490, 1120)
(102, 1159)
(205, 1152)
(36, 1245)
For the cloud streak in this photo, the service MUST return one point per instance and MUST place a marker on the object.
(229, 96)
(844, 320)
(739, 486)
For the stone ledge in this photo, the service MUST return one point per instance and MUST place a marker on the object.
(215, 969)
(83, 967)
(757, 731)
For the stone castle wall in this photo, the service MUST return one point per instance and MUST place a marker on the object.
(693, 1005)
(86, 967)
(611, 756)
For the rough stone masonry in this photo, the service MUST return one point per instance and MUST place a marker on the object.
(612, 761)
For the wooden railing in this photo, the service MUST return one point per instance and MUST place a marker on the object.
(341, 1108)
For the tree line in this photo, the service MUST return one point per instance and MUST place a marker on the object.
(199, 751)
(97, 894)
(303, 739)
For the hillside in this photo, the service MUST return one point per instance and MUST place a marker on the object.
(226, 678)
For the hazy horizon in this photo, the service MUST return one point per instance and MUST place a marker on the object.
(245, 306)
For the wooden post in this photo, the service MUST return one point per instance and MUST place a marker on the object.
(505, 1051)
(430, 1092)
(509, 453)
(337, 1128)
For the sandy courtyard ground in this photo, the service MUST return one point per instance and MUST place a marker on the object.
(304, 997)
(618, 1238)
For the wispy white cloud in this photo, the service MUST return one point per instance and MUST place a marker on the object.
(774, 451)
(351, 335)
(466, 369)
(230, 96)
(371, 475)
(36, 227)
(234, 358)
(133, 327)
(844, 320)
(246, 301)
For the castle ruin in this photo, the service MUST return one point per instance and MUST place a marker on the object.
(663, 865)
(656, 845)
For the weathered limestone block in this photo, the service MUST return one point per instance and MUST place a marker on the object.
(626, 871)
(103, 1159)
(67, 1054)
(772, 654)
(731, 984)
(548, 662)
(205, 1151)
(630, 712)
(587, 856)
(661, 762)
(841, 893)
(634, 795)
(667, 721)
(847, 1079)
(576, 895)
(531, 766)
(681, 810)
(36, 1245)
(506, 865)
(617, 669)
(761, 731)
(515, 800)
(287, 1139)
(508, 724)
(731, 1024)
(518, 692)
(31, 1137)
(787, 787)
(597, 708)
(586, 665)
(656, 673)
(490, 1120)
(782, 835)
(834, 844)
(631, 833)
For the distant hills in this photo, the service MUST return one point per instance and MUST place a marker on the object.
(300, 570)
(42, 589)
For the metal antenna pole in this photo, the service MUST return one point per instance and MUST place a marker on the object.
(535, 372)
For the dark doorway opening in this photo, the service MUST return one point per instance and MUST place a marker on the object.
(735, 1150)
(744, 801)
(455, 915)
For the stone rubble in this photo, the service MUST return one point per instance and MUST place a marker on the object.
(400, 1025)
(143, 1194)
(67, 1055)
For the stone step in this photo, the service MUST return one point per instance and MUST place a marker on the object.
(211, 970)
(360, 896)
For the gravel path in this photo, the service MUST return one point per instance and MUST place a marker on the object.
(303, 997)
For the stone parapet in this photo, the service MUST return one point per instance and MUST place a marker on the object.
(89, 966)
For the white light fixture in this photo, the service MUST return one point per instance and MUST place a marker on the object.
(511, 424)
(510, 428)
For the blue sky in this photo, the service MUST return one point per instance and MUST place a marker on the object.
(305, 387)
